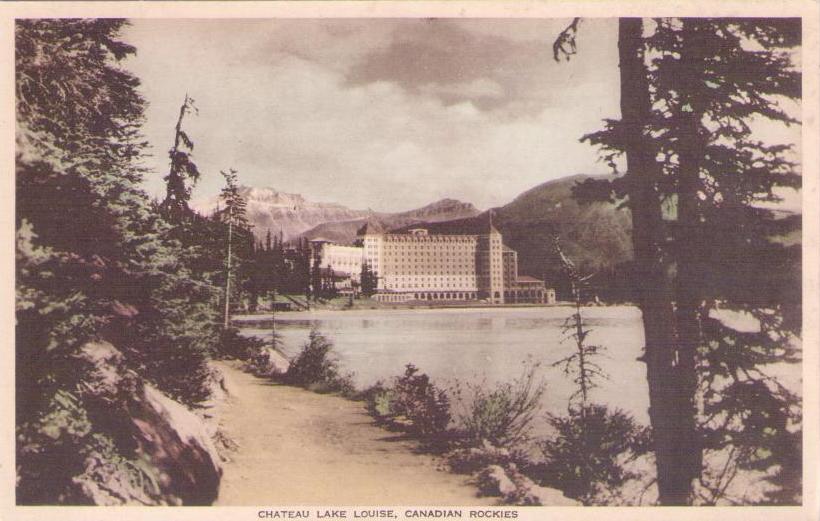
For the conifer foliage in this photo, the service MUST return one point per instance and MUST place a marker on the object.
(92, 259)
(369, 280)
(589, 453)
(234, 216)
(183, 172)
(708, 83)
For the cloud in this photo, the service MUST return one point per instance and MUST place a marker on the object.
(475, 89)
(385, 114)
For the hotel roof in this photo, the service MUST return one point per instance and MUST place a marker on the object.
(478, 225)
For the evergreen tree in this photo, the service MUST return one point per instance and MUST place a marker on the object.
(92, 261)
(368, 280)
(706, 80)
(587, 454)
(183, 172)
(316, 279)
(711, 84)
(671, 411)
(234, 216)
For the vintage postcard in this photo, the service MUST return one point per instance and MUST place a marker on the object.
(410, 260)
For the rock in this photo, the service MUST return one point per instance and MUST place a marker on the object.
(517, 489)
(551, 497)
(269, 362)
(218, 385)
(180, 446)
(106, 483)
(278, 362)
(162, 452)
(474, 458)
(493, 481)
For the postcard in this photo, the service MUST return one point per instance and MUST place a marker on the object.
(410, 260)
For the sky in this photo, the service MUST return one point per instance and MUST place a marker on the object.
(385, 114)
(388, 114)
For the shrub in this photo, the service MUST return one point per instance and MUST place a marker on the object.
(586, 456)
(233, 345)
(380, 402)
(425, 405)
(503, 415)
(316, 368)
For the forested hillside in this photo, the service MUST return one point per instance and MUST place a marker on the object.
(597, 236)
(117, 303)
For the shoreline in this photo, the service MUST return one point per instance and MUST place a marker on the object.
(240, 320)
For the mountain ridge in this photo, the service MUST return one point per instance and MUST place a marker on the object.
(296, 216)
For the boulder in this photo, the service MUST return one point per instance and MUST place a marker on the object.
(162, 453)
(471, 459)
(493, 481)
(268, 362)
(517, 489)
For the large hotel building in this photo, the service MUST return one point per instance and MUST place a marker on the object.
(456, 261)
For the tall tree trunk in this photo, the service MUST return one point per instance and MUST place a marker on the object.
(228, 275)
(671, 424)
(692, 142)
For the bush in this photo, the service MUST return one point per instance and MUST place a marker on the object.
(380, 402)
(425, 405)
(317, 369)
(586, 456)
(234, 345)
(413, 403)
(502, 416)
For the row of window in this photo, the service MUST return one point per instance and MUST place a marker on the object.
(430, 238)
(430, 286)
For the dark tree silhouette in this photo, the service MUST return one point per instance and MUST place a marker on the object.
(580, 363)
(183, 172)
(369, 280)
(586, 455)
(696, 184)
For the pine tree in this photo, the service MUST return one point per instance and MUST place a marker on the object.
(368, 280)
(587, 454)
(92, 261)
(581, 362)
(712, 81)
(183, 172)
(706, 80)
(234, 216)
(677, 455)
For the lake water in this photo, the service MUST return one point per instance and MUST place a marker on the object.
(491, 344)
(479, 344)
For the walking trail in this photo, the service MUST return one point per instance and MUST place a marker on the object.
(296, 447)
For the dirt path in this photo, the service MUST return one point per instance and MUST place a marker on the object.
(302, 448)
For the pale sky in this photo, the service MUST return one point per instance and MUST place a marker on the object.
(388, 114)
(383, 114)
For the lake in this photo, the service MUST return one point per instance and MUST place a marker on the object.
(479, 344)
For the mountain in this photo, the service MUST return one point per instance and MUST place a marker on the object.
(271, 210)
(594, 236)
(296, 216)
(344, 232)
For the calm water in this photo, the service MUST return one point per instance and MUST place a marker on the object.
(479, 344)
